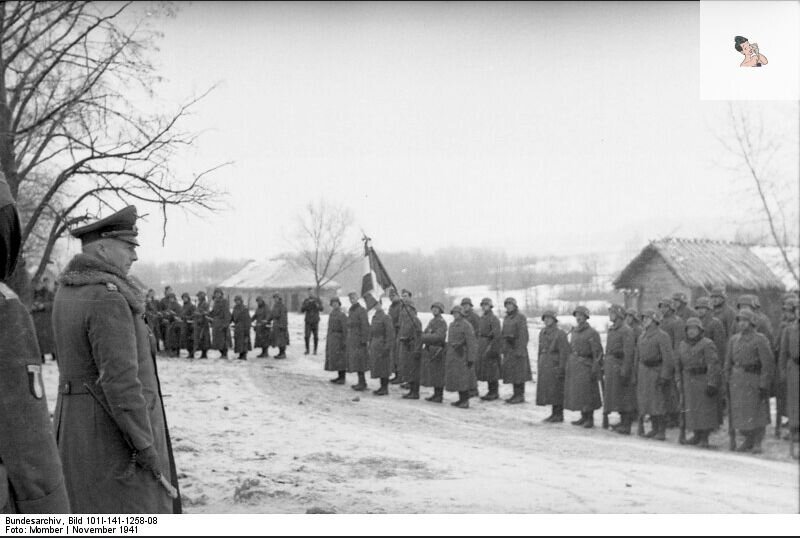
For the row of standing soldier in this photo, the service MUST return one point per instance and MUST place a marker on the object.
(204, 326)
(676, 365)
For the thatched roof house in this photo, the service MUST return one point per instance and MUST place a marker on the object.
(695, 266)
(266, 277)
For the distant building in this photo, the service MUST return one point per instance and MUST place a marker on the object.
(695, 267)
(267, 277)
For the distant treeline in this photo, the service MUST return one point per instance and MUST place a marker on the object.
(189, 277)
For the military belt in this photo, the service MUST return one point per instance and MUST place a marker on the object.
(697, 370)
(751, 368)
(75, 386)
(652, 362)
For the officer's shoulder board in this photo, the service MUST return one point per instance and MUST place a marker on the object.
(6, 292)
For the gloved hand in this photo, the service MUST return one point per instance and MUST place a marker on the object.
(711, 391)
(763, 393)
(662, 383)
(470, 363)
(148, 458)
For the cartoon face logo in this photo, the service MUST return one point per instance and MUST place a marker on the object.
(752, 56)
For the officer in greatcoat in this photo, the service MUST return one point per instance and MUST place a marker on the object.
(554, 351)
(749, 368)
(336, 342)
(462, 349)
(516, 365)
(620, 389)
(110, 422)
(490, 349)
(357, 341)
(432, 359)
(698, 372)
(31, 475)
(655, 371)
(381, 340)
(583, 371)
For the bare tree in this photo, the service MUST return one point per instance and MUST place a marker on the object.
(324, 242)
(756, 150)
(74, 138)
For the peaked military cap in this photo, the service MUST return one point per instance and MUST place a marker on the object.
(121, 225)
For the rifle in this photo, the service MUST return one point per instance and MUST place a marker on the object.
(682, 417)
(171, 491)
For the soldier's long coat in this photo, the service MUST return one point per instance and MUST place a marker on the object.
(151, 310)
(554, 351)
(462, 349)
(30, 466)
(620, 390)
(490, 348)
(581, 392)
(655, 360)
(410, 344)
(202, 331)
(714, 331)
(675, 327)
(474, 320)
(790, 370)
(357, 339)
(516, 367)
(43, 319)
(261, 318)
(220, 325)
(280, 324)
(187, 326)
(692, 358)
(102, 341)
(336, 342)
(432, 360)
(172, 323)
(750, 349)
(241, 329)
(394, 314)
(381, 341)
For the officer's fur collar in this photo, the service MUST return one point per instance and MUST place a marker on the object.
(85, 270)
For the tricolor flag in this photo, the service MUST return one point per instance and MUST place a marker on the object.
(375, 279)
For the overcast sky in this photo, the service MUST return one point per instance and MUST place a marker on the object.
(537, 128)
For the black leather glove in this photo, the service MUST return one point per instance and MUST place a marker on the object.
(711, 391)
(763, 393)
(148, 458)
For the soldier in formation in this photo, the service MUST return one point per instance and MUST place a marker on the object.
(516, 366)
(336, 342)
(186, 317)
(619, 390)
(474, 320)
(357, 341)
(554, 351)
(789, 364)
(655, 370)
(202, 329)
(432, 359)
(240, 318)
(280, 325)
(220, 323)
(490, 346)
(410, 346)
(583, 371)
(262, 328)
(394, 313)
(381, 342)
(462, 349)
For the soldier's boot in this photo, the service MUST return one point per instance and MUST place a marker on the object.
(340, 379)
(551, 416)
(558, 414)
(758, 437)
(654, 426)
(703, 442)
(661, 433)
(463, 400)
(203, 355)
(264, 354)
(281, 353)
(672, 420)
(405, 386)
(493, 393)
(395, 380)
(437, 395)
(243, 356)
(413, 391)
(580, 421)
(624, 426)
(306, 341)
(747, 444)
(384, 390)
(519, 394)
(589, 420)
(362, 382)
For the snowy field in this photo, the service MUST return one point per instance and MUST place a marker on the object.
(269, 436)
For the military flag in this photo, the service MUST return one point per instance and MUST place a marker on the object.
(375, 280)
